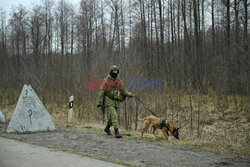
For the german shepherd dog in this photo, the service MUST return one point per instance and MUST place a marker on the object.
(162, 124)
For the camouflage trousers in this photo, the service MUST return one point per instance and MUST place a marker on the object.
(113, 117)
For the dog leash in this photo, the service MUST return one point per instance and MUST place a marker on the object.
(145, 107)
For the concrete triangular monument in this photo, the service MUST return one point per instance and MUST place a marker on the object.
(2, 118)
(30, 114)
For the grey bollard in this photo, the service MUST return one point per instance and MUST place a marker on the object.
(71, 111)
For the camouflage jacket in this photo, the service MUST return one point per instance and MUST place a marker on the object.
(113, 92)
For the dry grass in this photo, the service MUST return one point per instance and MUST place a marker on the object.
(223, 126)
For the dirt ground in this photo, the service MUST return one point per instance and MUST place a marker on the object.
(127, 151)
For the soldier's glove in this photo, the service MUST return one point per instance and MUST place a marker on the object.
(99, 105)
(132, 95)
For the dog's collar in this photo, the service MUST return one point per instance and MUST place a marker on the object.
(163, 124)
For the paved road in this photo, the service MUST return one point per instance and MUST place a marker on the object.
(18, 154)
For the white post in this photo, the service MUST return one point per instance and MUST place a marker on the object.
(71, 111)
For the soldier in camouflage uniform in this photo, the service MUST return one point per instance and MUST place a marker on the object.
(112, 92)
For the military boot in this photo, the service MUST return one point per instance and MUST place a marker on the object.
(117, 134)
(107, 130)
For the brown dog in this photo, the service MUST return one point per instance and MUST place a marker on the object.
(162, 124)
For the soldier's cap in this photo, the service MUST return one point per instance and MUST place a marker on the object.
(113, 67)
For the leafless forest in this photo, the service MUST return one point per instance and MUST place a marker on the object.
(200, 48)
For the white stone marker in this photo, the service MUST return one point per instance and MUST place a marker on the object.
(30, 114)
(71, 111)
(2, 117)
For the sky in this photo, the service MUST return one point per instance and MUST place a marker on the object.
(7, 4)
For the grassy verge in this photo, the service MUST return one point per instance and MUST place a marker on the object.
(222, 126)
